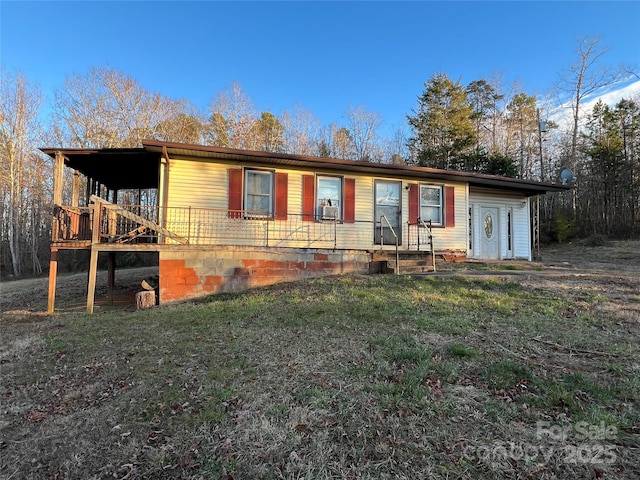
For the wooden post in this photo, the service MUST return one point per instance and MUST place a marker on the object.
(75, 189)
(53, 276)
(93, 272)
(111, 276)
(93, 262)
(96, 223)
(164, 200)
(55, 227)
(58, 171)
(58, 179)
(88, 190)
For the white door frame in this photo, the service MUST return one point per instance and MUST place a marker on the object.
(478, 232)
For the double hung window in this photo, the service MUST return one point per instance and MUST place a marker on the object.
(326, 197)
(258, 193)
(329, 198)
(431, 204)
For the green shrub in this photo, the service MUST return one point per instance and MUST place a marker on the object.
(595, 240)
(565, 228)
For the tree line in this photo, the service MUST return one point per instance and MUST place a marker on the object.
(479, 127)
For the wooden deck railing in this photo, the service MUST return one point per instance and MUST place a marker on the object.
(135, 224)
(71, 224)
(144, 224)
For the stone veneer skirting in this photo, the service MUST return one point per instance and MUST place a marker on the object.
(195, 272)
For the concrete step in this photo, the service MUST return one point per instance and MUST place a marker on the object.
(402, 254)
(409, 262)
(407, 269)
(410, 266)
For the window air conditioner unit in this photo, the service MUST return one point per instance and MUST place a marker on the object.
(330, 213)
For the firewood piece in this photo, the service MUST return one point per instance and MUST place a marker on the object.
(145, 299)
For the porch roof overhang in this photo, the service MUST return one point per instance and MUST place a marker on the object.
(115, 168)
(409, 172)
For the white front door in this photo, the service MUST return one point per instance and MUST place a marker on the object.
(489, 233)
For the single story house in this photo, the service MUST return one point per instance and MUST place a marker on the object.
(224, 219)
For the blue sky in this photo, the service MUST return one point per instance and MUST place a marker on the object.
(324, 56)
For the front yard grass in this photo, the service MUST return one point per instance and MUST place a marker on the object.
(341, 377)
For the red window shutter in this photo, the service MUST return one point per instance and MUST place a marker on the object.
(308, 198)
(450, 207)
(349, 213)
(235, 193)
(414, 203)
(282, 195)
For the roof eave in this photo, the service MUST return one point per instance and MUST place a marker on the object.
(527, 187)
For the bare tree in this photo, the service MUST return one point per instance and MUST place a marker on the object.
(301, 130)
(363, 127)
(107, 109)
(233, 118)
(395, 147)
(335, 141)
(186, 126)
(20, 104)
(584, 77)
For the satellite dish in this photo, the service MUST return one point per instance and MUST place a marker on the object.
(567, 176)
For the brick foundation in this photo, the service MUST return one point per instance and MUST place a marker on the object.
(191, 273)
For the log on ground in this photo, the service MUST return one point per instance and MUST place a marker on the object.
(145, 299)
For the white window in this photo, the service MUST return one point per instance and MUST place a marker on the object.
(431, 203)
(329, 198)
(258, 193)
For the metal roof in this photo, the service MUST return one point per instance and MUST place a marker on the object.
(139, 167)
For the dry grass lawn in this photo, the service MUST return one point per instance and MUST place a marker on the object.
(484, 371)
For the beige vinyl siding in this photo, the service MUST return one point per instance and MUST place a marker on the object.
(203, 186)
(453, 238)
(521, 224)
(197, 184)
(444, 238)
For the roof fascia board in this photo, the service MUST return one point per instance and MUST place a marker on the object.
(404, 171)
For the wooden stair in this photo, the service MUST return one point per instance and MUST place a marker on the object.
(142, 222)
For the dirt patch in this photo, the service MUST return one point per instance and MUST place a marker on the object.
(30, 295)
(612, 269)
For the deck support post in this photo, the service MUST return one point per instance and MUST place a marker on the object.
(93, 272)
(111, 276)
(93, 262)
(53, 276)
(58, 172)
